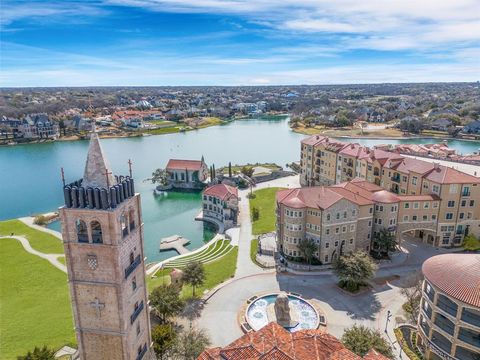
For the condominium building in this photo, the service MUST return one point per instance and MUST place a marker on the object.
(345, 217)
(449, 320)
(326, 162)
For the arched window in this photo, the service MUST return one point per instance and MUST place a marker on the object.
(97, 237)
(132, 258)
(131, 217)
(82, 232)
(124, 225)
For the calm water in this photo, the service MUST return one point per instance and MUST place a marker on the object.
(30, 174)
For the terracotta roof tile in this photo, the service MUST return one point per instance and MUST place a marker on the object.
(457, 275)
(273, 342)
(177, 164)
(221, 191)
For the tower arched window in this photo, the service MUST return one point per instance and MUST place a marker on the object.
(124, 225)
(97, 236)
(82, 232)
(131, 218)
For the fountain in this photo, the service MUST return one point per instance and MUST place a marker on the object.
(288, 310)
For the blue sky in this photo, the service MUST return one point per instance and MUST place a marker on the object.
(237, 42)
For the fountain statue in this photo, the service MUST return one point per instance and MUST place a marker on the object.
(282, 312)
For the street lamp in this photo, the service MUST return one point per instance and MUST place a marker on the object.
(389, 315)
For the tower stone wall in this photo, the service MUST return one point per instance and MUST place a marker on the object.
(105, 262)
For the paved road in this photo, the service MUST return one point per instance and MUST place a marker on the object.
(52, 258)
(221, 310)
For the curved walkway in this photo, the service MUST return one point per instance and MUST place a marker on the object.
(51, 258)
(29, 221)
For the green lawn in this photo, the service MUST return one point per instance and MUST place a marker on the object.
(35, 303)
(265, 203)
(217, 272)
(39, 240)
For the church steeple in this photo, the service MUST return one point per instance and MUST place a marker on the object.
(97, 171)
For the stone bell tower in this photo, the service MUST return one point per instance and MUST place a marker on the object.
(103, 239)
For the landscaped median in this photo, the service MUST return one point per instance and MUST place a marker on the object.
(262, 210)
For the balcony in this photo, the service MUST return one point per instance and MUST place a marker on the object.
(132, 266)
(136, 312)
(466, 193)
(395, 178)
(142, 353)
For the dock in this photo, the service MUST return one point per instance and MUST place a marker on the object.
(175, 242)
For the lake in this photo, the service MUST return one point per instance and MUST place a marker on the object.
(30, 181)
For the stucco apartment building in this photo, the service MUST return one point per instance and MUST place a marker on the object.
(325, 161)
(220, 205)
(345, 217)
(449, 320)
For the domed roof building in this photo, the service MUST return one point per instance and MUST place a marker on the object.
(449, 321)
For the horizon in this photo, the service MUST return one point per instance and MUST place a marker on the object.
(140, 43)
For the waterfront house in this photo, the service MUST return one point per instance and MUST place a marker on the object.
(186, 174)
(220, 204)
(38, 126)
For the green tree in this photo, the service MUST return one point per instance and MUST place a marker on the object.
(360, 340)
(255, 214)
(159, 176)
(383, 242)
(247, 171)
(191, 343)
(194, 275)
(164, 339)
(307, 248)
(471, 243)
(354, 270)
(166, 302)
(43, 353)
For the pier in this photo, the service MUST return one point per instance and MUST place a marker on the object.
(175, 242)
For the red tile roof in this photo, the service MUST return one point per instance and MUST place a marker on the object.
(273, 342)
(221, 191)
(176, 164)
(457, 275)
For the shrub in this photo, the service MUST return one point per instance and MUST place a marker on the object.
(40, 220)
(255, 214)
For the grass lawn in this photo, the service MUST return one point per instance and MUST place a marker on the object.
(165, 130)
(39, 240)
(217, 272)
(265, 203)
(35, 304)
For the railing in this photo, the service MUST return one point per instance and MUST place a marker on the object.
(137, 312)
(132, 266)
(142, 353)
(396, 178)
(439, 351)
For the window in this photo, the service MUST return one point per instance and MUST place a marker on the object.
(405, 218)
(414, 180)
(450, 203)
(336, 243)
(426, 205)
(414, 218)
(82, 232)
(352, 227)
(435, 189)
(328, 217)
(406, 205)
(461, 215)
(123, 225)
(434, 217)
(351, 241)
(472, 202)
(132, 258)
(463, 203)
(97, 237)
(344, 214)
(327, 232)
(379, 221)
(131, 217)
(425, 218)
(370, 210)
(453, 188)
(416, 205)
(134, 283)
(326, 258)
(138, 328)
(449, 216)
(337, 216)
(337, 230)
(344, 229)
(327, 245)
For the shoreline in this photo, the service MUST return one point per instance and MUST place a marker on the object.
(138, 134)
